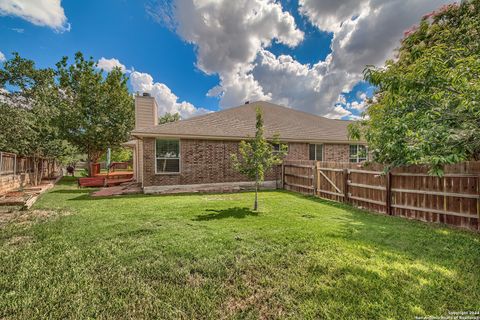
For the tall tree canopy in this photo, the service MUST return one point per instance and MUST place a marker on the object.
(169, 117)
(100, 110)
(29, 106)
(427, 106)
(47, 112)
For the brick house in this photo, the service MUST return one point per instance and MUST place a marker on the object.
(194, 154)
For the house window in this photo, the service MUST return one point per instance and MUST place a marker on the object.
(167, 156)
(358, 153)
(276, 148)
(316, 152)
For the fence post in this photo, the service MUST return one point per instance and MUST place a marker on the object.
(283, 174)
(315, 178)
(346, 198)
(478, 202)
(1, 162)
(388, 200)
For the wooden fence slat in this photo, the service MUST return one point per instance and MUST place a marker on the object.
(434, 210)
(330, 181)
(300, 166)
(367, 200)
(367, 186)
(405, 191)
(301, 186)
(478, 202)
(365, 171)
(331, 192)
(330, 169)
(448, 175)
(388, 193)
(299, 175)
(438, 193)
(345, 185)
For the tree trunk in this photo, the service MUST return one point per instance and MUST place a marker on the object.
(93, 157)
(89, 164)
(34, 181)
(40, 178)
(255, 205)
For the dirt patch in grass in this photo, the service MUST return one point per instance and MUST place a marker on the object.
(19, 241)
(195, 279)
(251, 296)
(28, 217)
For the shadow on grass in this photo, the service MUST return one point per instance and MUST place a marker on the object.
(87, 194)
(67, 191)
(67, 181)
(398, 236)
(235, 212)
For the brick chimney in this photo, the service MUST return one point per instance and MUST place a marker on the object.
(146, 111)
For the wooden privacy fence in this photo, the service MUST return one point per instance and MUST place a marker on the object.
(407, 191)
(12, 164)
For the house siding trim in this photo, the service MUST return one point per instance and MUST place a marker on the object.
(226, 138)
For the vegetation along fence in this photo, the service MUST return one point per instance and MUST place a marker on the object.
(16, 170)
(406, 191)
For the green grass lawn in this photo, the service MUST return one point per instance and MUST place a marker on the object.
(210, 256)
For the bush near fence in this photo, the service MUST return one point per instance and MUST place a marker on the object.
(409, 192)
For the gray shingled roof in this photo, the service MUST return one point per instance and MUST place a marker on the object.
(239, 122)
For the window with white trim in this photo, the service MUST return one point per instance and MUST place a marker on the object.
(358, 153)
(276, 148)
(316, 152)
(167, 156)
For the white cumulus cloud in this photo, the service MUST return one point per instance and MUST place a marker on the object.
(48, 13)
(233, 37)
(2, 57)
(109, 64)
(367, 31)
(228, 36)
(167, 101)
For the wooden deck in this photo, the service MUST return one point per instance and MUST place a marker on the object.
(106, 179)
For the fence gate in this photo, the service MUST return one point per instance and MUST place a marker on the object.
(299, 176)
(331, 183)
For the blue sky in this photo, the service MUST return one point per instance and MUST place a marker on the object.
(195, 56)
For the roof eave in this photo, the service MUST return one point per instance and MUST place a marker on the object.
(237, 138)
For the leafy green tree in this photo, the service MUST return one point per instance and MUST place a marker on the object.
(30, 110)
(100, 110)
(427, 106)
(169, 117)
(257, 156)
(120, 154)
(15, 130)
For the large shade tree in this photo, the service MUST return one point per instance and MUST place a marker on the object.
(29, 106)
(169, 117)
(427, 106)
(100, 110)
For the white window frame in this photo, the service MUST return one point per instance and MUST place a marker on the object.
(357, 159)
(176, 158)
(275, 152)
(316, 144)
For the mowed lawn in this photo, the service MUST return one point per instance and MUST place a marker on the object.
(209, 256)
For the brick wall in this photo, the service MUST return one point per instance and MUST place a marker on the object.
(297, 151)
(207, 161)
(336, 152)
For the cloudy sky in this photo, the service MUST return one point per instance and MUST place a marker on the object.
(201, 55)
